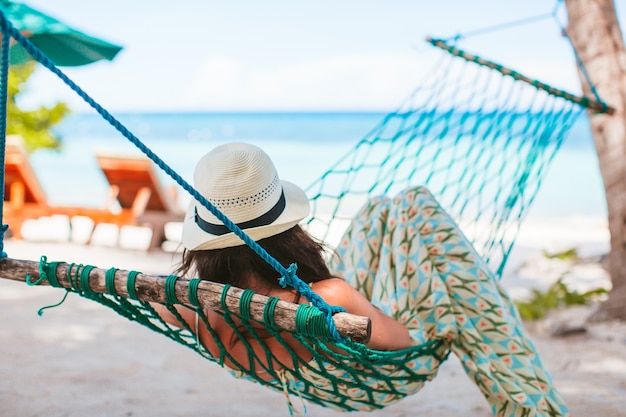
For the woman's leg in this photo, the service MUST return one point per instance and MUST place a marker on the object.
(382, 256)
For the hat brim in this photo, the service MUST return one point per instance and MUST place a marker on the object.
(296, 208)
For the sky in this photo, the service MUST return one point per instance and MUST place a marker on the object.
(279, 55)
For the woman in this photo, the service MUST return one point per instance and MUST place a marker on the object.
(402, 262)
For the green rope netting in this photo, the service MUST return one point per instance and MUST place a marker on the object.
(479, 140)
(346, 376)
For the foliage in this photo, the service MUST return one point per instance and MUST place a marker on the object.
(566, 255)
(33, 125)
(557, 295)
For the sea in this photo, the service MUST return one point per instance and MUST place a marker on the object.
(302, 145)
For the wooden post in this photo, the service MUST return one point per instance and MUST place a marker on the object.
(151, 288)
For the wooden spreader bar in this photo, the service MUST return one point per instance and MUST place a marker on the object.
(151, 288)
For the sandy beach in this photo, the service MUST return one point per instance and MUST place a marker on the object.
(81, 359)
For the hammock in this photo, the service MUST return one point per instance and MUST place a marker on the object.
(474, 133)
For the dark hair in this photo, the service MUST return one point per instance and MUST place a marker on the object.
(242, 267)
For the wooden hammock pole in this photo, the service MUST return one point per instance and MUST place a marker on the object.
(151, 288)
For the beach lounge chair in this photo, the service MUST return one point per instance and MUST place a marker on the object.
(137, 190)
(25, 198)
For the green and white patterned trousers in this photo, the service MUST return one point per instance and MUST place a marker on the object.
(411, 260)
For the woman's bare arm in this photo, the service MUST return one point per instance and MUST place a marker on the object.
(387, 334)
(187, 314)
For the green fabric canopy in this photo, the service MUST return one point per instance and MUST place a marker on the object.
(64, 45)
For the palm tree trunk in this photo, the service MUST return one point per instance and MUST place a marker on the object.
(597, 38)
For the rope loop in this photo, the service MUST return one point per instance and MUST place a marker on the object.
(109, 280)
(311, 321)
(130, 284)
(244, 303)
(47, 271)
(223, 297)
(192, 289)
(170, 290)
(72, 278)
(84, 279)
(268, 311)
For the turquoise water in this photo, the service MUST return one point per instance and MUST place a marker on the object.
(303, 146)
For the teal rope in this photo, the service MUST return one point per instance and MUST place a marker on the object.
(579, 61)
(109, 281)
(4, 68)
(130, 284)
(84, 279)
(304, 289)
(73, 278)
(42, 309)
(192, 290)
(311, 322)
(47, 271)
(244, 304)
(501, 26)
(170, 290)
(223, 297)
(584, 72)
(268, 311)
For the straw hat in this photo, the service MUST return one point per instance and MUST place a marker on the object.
(241, 181)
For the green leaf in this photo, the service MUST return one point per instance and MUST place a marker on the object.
(557, 295)
(566, 255)
(34, 126)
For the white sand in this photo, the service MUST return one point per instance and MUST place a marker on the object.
(81, 359)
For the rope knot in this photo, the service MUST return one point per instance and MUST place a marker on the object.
(43, 263)
(288, 278)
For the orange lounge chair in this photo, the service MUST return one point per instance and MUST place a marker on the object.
(24, 197)
(136, 187)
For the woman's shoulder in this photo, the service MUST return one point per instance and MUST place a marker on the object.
(335, 291)
(330, 284)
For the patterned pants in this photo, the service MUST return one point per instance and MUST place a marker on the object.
(411, 260)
